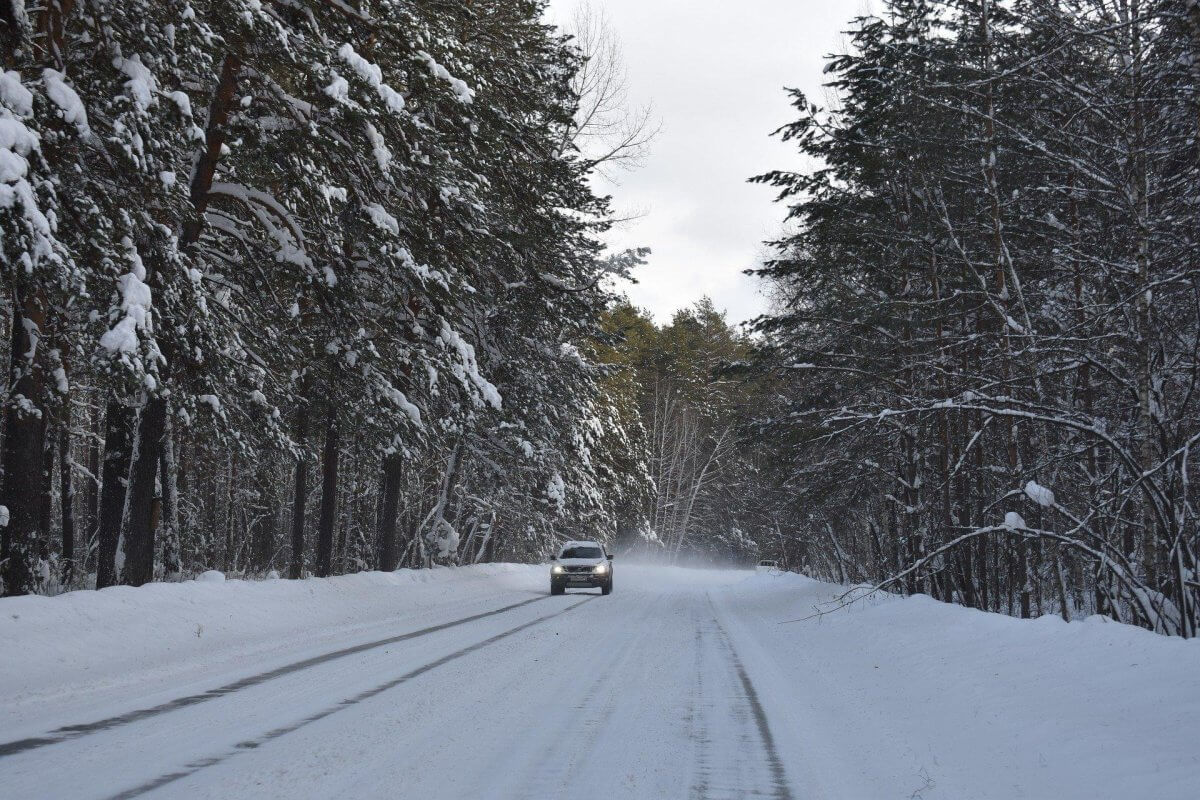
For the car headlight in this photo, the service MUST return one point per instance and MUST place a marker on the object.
(557, 570)
(601, 569)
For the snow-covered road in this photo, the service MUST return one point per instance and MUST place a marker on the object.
(681, 684)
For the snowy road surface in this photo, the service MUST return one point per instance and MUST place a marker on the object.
(475, 683)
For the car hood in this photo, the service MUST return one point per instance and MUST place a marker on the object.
(579, 562)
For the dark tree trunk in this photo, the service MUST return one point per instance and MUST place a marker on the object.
(49, 35)
(329, 465)
(91, 496)
(212, 525)
(10, 33)
(22, 453)
(380, 491)
(392, 471)
(981, 572)
(143, 505)
(340, 553)
(1025, 596)
(118, 428)
(300, 498)
(492, 543)
(880, 569)
(230, 561)
(171, 557)
(46, 496)
(262, 538)
(67, 492)
(214, 140)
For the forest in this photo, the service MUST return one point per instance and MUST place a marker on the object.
(988, 308)
(307, 287)
(304, 287)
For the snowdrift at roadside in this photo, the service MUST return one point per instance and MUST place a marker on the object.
(83, 641)
(899, 697)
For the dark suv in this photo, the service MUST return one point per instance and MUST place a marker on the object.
(581, 565)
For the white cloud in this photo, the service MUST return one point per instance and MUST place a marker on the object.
(715, 73)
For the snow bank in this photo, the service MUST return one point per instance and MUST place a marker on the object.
(85, 643)
(909, 697)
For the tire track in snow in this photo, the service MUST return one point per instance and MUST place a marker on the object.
(697, 727)
(781, 790)
(555, 768)
(275, 733)
(68, 732)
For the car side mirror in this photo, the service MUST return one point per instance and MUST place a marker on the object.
(610, 556)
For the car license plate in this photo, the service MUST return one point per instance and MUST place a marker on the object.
(579, 578)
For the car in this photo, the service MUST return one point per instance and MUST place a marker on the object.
(581, 565)
(767, 565)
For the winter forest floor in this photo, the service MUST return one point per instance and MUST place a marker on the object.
(473, 682)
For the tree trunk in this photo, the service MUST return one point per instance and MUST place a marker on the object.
(212, 507)
(91, 496)
(229, 558)
(143, 508)
(171, 557)
(329, 465)
(67, 493)
(392, 470)
(214, 140)
(1064, 608)
(118, 427)
(838, 557)
(1148, 555)
(46, 495)
(449, 481)
(341, 551)
(23, 450)
(300, 498)
(1026, 579)
(49, 37)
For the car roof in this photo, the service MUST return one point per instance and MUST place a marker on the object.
(565, 545)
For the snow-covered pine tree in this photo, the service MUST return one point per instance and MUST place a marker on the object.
(985, 319)
(272, 228)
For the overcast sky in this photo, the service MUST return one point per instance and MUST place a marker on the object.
(715, 73)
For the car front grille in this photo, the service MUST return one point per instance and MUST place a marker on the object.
(579, 570)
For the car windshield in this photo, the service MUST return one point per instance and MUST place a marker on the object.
(581, 552)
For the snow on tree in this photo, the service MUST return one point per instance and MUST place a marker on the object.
(989, 293)
(241, 233)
